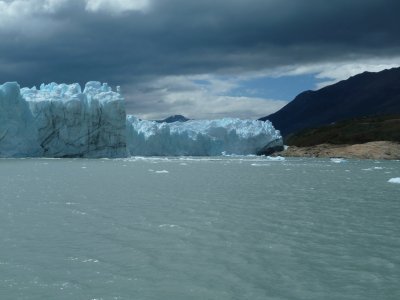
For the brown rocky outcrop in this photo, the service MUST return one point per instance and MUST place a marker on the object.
(371, 150)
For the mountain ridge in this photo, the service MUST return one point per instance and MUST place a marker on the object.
(174, 118)
(365, 94)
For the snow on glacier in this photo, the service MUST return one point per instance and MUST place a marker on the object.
(199, 137)
(59, 120)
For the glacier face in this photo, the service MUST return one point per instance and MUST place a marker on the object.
(199, 137)
(62, 121)
(18, 136)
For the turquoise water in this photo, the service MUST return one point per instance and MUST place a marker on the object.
(219, 228)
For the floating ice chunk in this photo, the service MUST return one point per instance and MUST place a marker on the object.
(90, 260)
(162, 172)
(337, 160)
(394, 180)
(276, 158)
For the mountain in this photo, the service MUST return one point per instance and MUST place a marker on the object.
(348, 132)
(174, 118)
(366, 94)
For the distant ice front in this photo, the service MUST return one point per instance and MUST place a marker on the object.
(199, 137)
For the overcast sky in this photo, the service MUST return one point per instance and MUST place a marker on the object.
(199, 58)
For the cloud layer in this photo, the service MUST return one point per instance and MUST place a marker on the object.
(157, 49)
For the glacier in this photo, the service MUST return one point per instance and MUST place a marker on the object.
(200, 137)
(61, 120)
(18, 136)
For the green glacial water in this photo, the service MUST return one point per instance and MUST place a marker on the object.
(199, 228)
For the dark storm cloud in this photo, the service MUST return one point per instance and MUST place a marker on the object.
(191, 37)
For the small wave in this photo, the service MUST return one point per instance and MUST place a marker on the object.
(224, 153)
(83, 260)
(159, 171)
(168, 226)
(374, 168)
(78, 212)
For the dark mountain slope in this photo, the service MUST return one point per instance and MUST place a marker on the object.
(174, 118)
(366, 94)
(351, 131)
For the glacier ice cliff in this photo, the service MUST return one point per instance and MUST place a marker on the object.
(60, 120)
(199, 137)
(18, 136)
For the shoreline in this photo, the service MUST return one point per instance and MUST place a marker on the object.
(384, 150)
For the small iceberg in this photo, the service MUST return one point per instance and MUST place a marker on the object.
(275, 158)
(162, 172)
(394, 180)
(338, 160)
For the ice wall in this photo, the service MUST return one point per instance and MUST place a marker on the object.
(199, 137)
(62, 121)
(18, 136)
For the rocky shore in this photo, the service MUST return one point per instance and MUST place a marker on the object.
(371, 150)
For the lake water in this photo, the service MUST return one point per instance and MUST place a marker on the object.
(200, 228)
